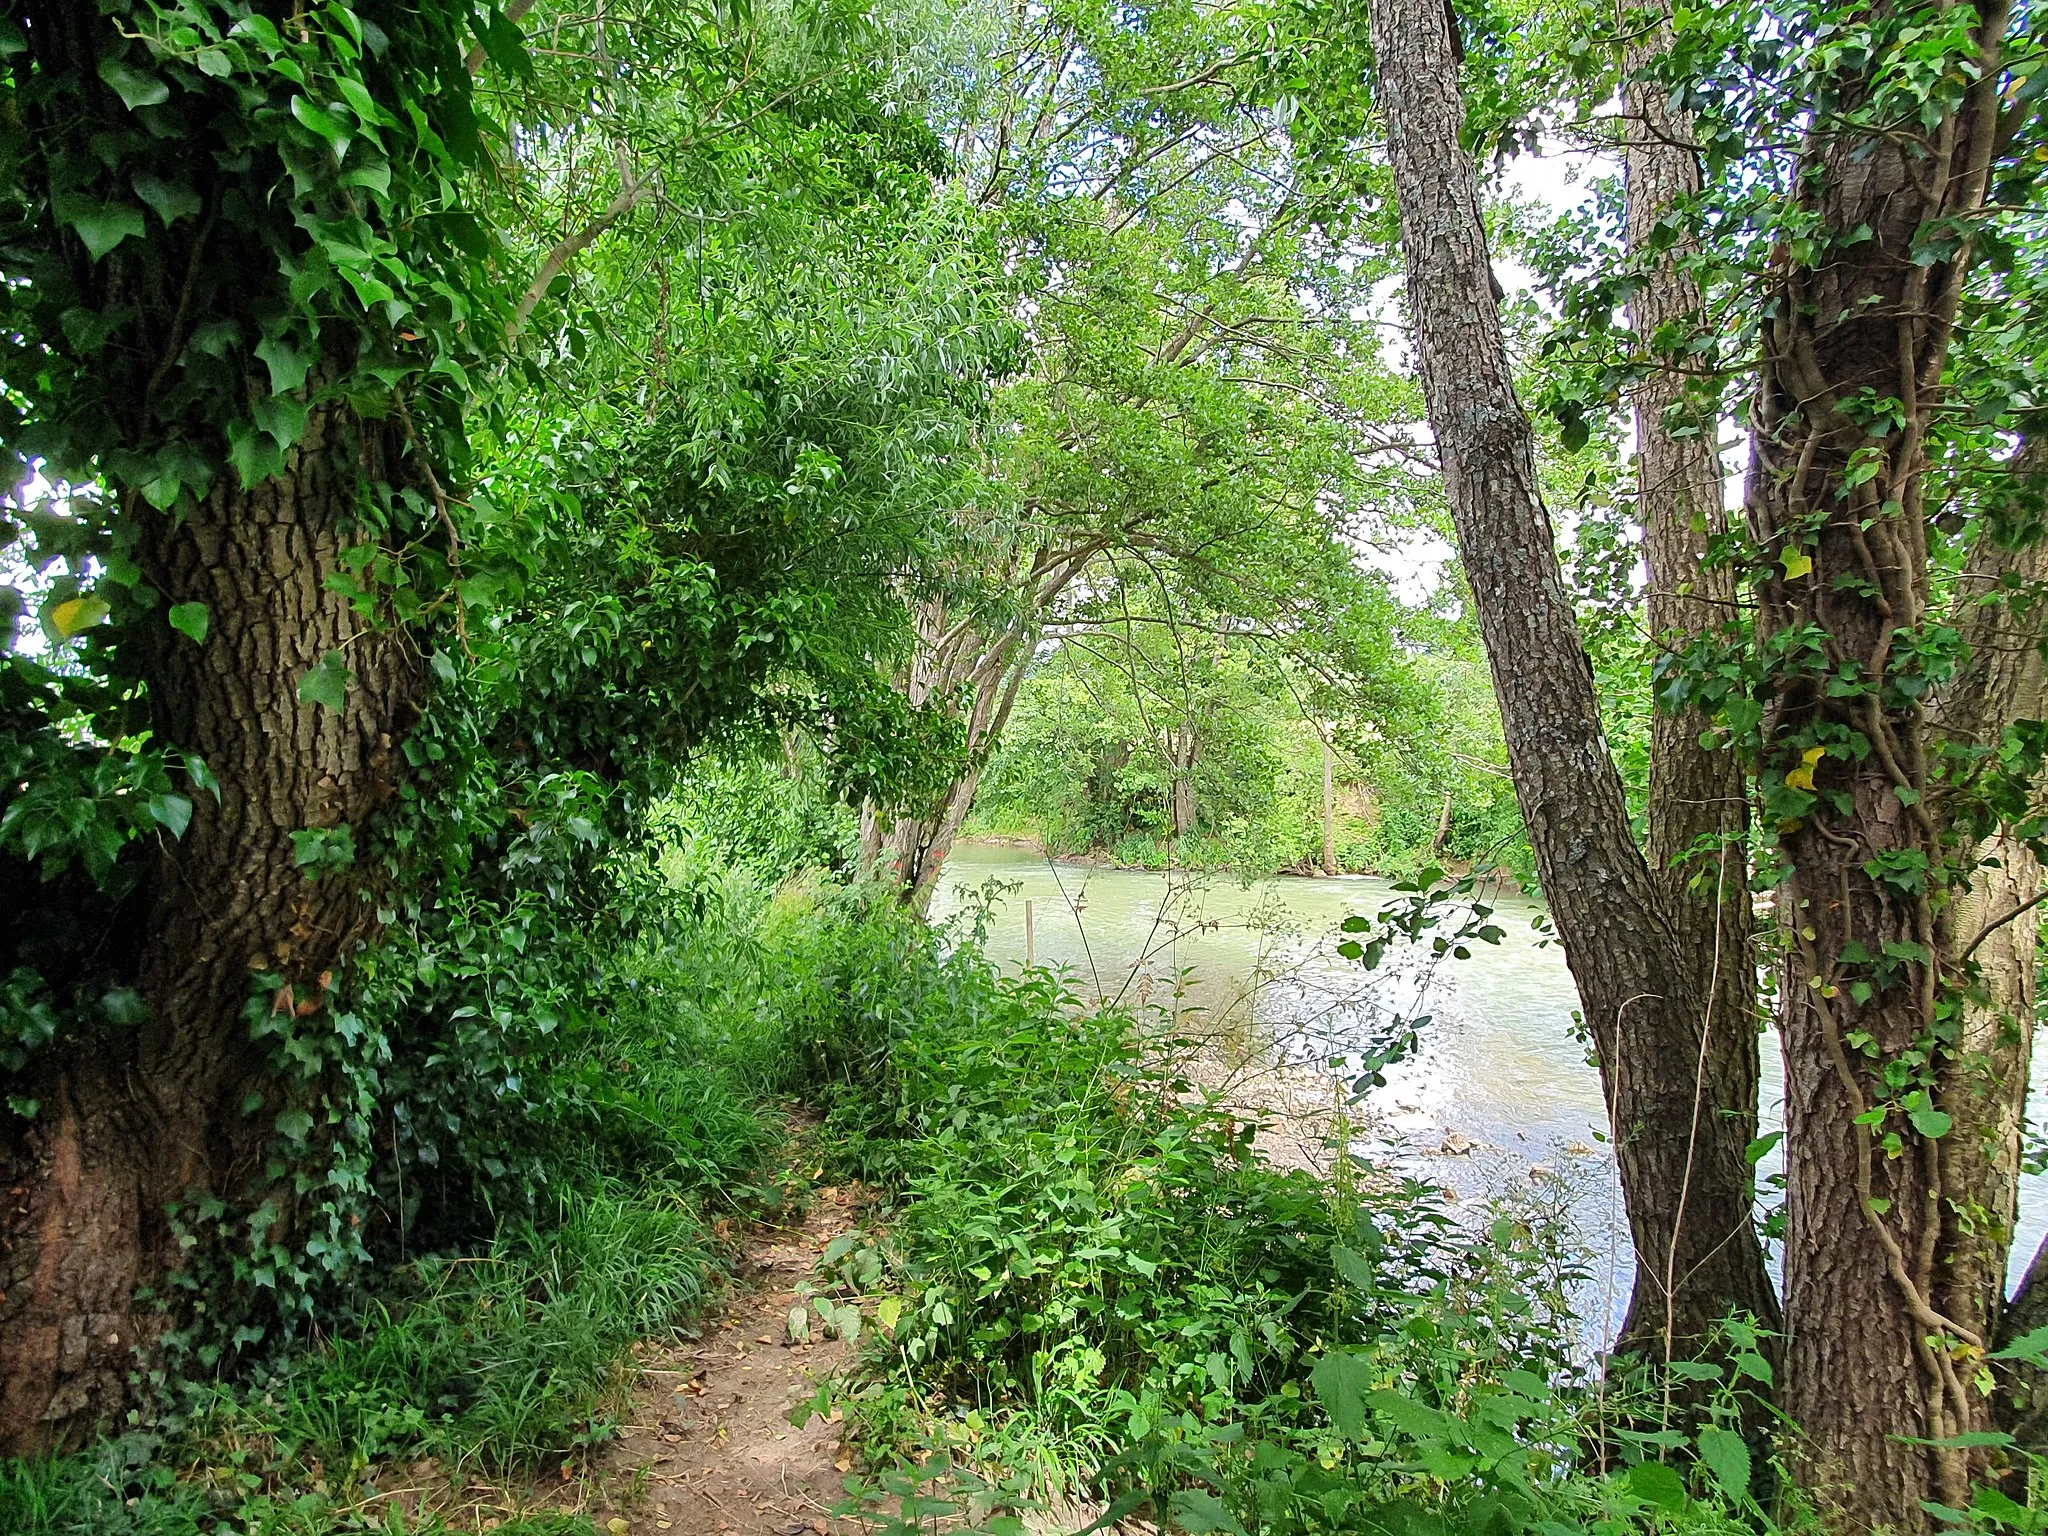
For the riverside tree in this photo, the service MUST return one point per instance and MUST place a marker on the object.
(1864, 176)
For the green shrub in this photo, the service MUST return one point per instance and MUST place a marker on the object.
(1094, 1279)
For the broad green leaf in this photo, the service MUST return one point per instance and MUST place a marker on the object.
(102, 226)
(189, 619)
(287, 367)
(254, 453)
(1931, 1123)
(283, 417)
(1797, 563)
(1657, 1484)
(135, 88)
(1353, 1266)
(324, 123)
(1199, 1511)
(294, 1124)
(77, 615)
(1342, 1384)
(173, 811)
(327, 683)
(1726, 1455)
(172, 200)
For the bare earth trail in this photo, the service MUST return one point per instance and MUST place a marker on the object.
(709, 1448)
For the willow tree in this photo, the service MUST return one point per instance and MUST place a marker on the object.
(1203, 406)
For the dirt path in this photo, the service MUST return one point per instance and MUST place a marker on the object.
(710, 1449)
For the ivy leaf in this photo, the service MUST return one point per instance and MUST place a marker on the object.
(1797, 563)
(102, 226)
(282, 417)
(326, 684)
(172, 200)
(504, 43)
(324, 123)
(287, 367)
(255, 454)
(189, 619)
(135, 88)
(1931, 1123)
(1727, 1457)
(294, 1123)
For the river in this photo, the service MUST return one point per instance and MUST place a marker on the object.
(1497, 1085)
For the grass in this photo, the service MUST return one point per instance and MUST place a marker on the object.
(489, 1366)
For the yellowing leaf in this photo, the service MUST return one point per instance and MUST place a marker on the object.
(1802, 776)
(77, 615)
(1797, 563)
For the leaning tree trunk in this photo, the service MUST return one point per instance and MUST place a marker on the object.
(1905, 1004)
(965, 655)
(1684, 1178)
(952, 659)
(135, 1122)
(1698, 814)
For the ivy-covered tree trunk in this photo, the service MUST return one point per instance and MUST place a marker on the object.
(1906, 999)
(1685, 1182)
(1698, 806)
(236, 945)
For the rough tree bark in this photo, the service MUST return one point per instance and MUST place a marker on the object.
(134, 1121)
(1686, 1182)
(1698, 807)
(1897, 1230)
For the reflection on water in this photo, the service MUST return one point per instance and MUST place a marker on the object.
(1498, 1084)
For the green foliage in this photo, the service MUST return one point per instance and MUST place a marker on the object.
(1092, 1281)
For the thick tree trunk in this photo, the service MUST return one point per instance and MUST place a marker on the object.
(1685, 1182)
(136, 1120)
(1904, 1074)
(1698, 811)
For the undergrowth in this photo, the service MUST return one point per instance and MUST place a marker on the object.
(1091, 1285)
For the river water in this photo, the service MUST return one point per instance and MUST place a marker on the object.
(1496, 1086)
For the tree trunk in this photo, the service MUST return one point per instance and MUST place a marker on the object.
(1698, 809)
(950, 656)
(1329, 810)
(1684, 1176)
(1897, 1226)
(1181, 745)
(135, 1121)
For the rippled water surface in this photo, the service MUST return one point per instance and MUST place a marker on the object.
(1498, 1083)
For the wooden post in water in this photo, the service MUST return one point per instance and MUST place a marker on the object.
(1329, 811)
(1030, 938)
